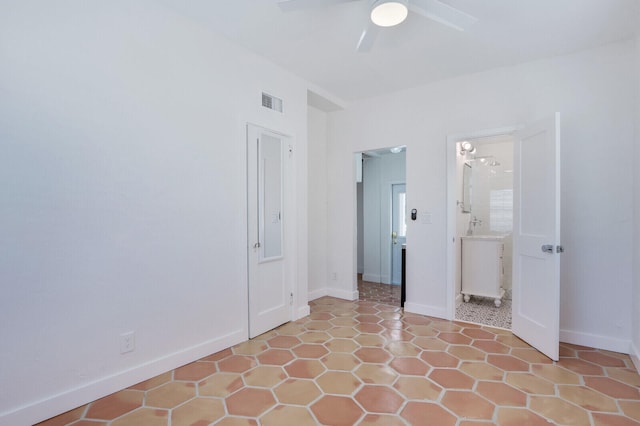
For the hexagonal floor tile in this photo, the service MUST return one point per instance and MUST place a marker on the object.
(612, 387)
(195, 371)
(381, 420)
(283, 342)
(379, 399)
(342, 345)
(197, 411)
(297, 391)
(305, 368)
(374, 355)
(439, 359)
(288, 415)
(265, 376)
(336, 410)
(530, 383)
(502, 394)
(237, 364)
(454, 338)
(403, 349)
(451, 379)
(507, 362)
(250, 402)
(250, 347)
(468, 405)
(478, 333)
(314, 337)
(482, 371)
(409, 366)
(170, 395)
(418, 388)
(555, 374)
(220, 384)
(370, 340)
(376, 374)
(142, 416)
(467, 353)
(587, 398)
(427, 414)
(338, 361)
(519, 416)
(115, 405)
(338, 382)
(308, 350)
(559, 411)
(153, 382)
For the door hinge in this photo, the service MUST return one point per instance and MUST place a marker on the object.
(291, 299)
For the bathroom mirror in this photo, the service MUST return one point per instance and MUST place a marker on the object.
(466, 188)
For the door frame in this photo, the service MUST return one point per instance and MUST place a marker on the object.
(393, 183)
(452, 206)
(288, 207)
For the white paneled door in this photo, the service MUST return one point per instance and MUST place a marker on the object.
(536, 236)
(267, 173)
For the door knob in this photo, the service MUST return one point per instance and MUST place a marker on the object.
(547, 248)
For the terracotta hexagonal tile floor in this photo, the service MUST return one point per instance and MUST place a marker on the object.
(367, 363)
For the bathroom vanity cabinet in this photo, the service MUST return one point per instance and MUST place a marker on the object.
(482, 267)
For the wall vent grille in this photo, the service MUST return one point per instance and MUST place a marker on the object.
(271, 102)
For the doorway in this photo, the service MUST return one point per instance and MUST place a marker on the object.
(381, 223)
(536, 228)
(484, 226)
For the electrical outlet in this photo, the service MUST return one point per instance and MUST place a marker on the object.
(127, 342)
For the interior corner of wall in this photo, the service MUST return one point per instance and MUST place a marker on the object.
(635, 356)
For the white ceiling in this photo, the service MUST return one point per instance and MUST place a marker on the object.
(319, 44)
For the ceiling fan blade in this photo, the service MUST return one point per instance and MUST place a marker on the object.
(443, 13)
(291, 5)
(367, 38)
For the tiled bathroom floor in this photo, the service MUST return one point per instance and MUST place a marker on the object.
(482, 310)
(363, 363)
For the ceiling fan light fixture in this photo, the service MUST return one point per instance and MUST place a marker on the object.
(387, 13)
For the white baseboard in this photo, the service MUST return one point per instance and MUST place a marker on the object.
(431, 311)
(595, 341)
(635, 357)
(303, 311)
(56, 404)
(343, 294)
(316, 294)
(372, 278)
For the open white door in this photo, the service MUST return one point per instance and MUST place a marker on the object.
(398, 230)
(269, 293)
(536, 236)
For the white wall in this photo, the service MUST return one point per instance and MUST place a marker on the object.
(317, 165)
(593, 90)
(122, 139)
(379, 173)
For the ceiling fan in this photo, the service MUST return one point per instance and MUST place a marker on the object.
(388, 13)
